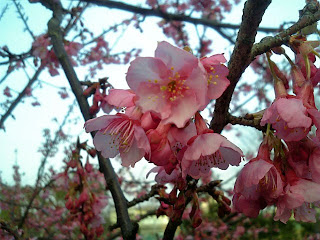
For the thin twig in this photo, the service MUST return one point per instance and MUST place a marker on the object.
(24, 20)
(171, 17)
(5, 226)
(20, 96)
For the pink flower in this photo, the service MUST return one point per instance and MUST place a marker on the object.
(297, 193)
(289, 118)
(207, 150)
(172, 84)
(7, 92)
(259, 184)
(217, 75)
(40, 47)
(119, 134)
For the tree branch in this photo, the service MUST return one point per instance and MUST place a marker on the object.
(153, 192)
(128, 229)
(240, 58)
(283, 37)
(25, 21)
(7, 228)
(171, 17)
(20, 96)
(245, 122)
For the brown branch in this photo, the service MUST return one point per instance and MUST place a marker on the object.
(154, 191)
(143, 216)
(283, 37)
(240, 58)
(209, 186)
(15, 57)
(244, 53)
(23, 18)
(173, 224)
(171, 17)
(246, 122)
(7, 228)
(20, 96)
(29, 206)
(128, 228)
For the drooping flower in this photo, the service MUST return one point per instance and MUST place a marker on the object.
(173, 84)
(297, 193)
(289, 118)
(259, 184)
(207, 150)
(119, 134)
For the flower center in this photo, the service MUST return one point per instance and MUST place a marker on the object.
(175, 87)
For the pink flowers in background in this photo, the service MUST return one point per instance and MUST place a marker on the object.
(167, 91)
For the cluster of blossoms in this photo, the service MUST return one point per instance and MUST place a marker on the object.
(161, 121)
(42, 49)
(287, 177)
(85, 198)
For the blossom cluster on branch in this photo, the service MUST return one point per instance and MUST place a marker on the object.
(286, 172)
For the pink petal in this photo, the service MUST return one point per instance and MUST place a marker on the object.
(308, 189)
(107, 144)
(230, 157)
(205, 144)
(305, 214)
(181, 60)
(314, 165)
(121, 98)
(99, 123)
(141, 139)
(150, 99)
(251, 174)
(133, 155)
(182, 110)
(218, 84)
(293, 112)
(197, 82)
(144, 70)
(213, 60)
(182, 135)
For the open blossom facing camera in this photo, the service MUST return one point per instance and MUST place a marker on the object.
(172, 84)
(175, 84)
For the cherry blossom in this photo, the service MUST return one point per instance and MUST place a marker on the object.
(259, 184)
(289, 118)
(207, 150)
(119, 134)
(173, 84)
